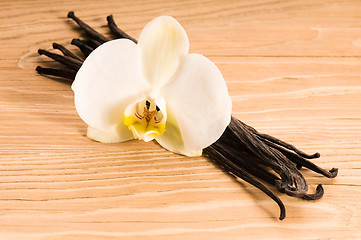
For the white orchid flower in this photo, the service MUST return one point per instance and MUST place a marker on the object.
(153, 90)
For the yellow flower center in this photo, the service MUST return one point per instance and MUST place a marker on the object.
(145, 119)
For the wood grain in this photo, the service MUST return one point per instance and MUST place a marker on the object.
(293, 69)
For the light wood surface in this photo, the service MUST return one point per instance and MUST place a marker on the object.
(293, 69)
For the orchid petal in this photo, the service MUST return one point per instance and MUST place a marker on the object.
(163, 43)
(172, 140)
(114, 135)
(198, 98)
(109, 79)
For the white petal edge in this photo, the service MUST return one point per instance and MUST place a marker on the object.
(163, 43)
(172, 140)
(109, 79)
(114, 135)
(199, 100)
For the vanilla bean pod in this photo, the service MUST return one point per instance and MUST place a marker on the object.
(97, 36)
(241, 151)
(92, 43)
(229, 165)
(67, 61)
(65, 51)
(68, 74)
(116, 31)
(282, 143)
(83, 46)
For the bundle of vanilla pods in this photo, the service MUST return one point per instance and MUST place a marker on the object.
(241, 150)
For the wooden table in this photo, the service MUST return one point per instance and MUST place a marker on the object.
(293, 69)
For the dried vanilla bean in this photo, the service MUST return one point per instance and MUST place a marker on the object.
(244, 149)
(97, 36)
(83, 46)
(241, 151)
(230, 166)
(116, 31)
(57, 72)
(67, 61)
(65, 51)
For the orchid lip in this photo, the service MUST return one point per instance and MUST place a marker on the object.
(146, 118)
